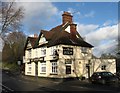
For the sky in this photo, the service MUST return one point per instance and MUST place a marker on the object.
(97, 22)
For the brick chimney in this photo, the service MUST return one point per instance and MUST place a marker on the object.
(35, 35)
(73, 31)
(67, 17)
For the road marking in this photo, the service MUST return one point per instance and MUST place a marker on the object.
(6, 87)
(19, 80)
(80, 87)
(56, 82)
(12, 78)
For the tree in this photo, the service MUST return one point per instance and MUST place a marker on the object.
(14, 51)
(107, 55)
(11, 17)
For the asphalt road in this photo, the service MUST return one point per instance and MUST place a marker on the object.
(12, 83)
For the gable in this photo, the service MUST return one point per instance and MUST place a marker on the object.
(42, 40)
(68, 29)
(29, 45)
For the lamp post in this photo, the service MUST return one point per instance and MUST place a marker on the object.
(88, 67)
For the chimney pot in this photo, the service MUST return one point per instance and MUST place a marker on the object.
(67, 17)
(73, 30)
(35, 35)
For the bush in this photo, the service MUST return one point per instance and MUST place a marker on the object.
(10, 66)
(82, 77)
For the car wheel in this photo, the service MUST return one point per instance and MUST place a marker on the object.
(103, 82)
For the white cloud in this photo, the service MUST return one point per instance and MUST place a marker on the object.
(90, 14)
(103, 34)
(38, 14)
(108, 22)
(104, 39)
(108, 47)
(85, 29)
(74, 11)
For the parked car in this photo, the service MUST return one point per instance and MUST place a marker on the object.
(118, 75)
(103, 78)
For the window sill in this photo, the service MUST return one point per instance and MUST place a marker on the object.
(42, 73)
(53, 74)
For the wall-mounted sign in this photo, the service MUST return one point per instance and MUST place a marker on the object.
(68, 61)
(67, 51)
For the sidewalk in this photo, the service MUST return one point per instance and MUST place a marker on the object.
(40, 79)
(51, 80)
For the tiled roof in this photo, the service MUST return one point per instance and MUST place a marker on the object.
(58, 36)
(64, 37)
(32, 40)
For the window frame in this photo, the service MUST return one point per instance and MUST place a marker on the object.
(103, 67)
(54, 68)
(84, 49)
(43, 68)
(29, 67)
(43, 51)
(29, 53)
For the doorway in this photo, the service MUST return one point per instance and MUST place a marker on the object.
(36, 68)
(68, 69)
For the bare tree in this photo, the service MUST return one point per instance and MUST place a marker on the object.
(11, 17)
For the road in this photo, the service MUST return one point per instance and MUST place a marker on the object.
(12, 83)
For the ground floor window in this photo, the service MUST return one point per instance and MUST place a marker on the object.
(54, 68)
(43, 67)
(29, 67)
(103, 67)
(68, 69)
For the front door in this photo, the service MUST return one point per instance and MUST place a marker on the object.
(36, 69)
(68, 69)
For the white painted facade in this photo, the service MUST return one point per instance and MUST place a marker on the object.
(50, 65)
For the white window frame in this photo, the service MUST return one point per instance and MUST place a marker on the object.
(53, 50)
(36, 53)
(29, 53)
(29, 67)
(84, 49)
(43, 51)
(43, 68)
(54, 69)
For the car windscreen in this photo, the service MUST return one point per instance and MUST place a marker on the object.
(107, 74)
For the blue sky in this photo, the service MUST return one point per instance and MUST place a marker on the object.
(98, 12)
(84, 12)
(96, 21)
